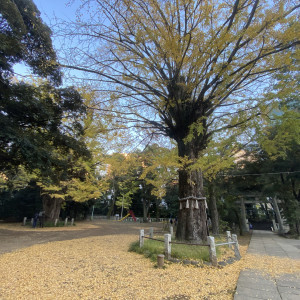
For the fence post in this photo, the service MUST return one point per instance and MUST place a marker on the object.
(66, 221)
(212, 251)
(142, 238)
(167, 237)
(151, 232)
(229, 239)
(274, 225)
(55, 222)
(24, 221)
(72, 221)
(236, 247)
(31, 221)
(171, 231)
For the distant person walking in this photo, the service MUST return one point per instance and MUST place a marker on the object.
(41, 218)
(175, 221)
(35, 219)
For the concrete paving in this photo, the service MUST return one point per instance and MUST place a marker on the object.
(253, 285)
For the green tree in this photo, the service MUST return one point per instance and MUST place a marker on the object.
(31, 116)
(14, 184)
(25, 39)
(41, 124)
(186, 69)
(280, 143)
(80, 180)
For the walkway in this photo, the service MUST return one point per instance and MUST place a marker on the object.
(253, 285)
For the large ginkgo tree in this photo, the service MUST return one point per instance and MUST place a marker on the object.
(188, 69)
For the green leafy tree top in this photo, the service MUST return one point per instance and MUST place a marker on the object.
(26, 39)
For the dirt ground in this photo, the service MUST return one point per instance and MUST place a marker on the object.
(14, 236)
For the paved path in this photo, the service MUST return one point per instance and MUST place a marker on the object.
(253, 285)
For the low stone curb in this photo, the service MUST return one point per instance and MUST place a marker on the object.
(199, 264)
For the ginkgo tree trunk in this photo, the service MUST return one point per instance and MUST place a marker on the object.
(190, 70)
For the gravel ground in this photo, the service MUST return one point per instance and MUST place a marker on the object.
(92, 262)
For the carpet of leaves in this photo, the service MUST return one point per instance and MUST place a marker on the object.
(102, 268)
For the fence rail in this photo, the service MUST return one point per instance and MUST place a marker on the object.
(222, 244)
(231, 241)
(149, 238)
(189, 244)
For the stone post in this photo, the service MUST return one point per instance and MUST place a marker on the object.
(24, 221)
(142, 238)
(72, 221)
(212, 251)
(245, 227)
(160, 260)
(167, 237)
(236, 247)
(229, 239)
(171, 231)
(278, 216)
(151, 232)
(66, 221)
(55, 222)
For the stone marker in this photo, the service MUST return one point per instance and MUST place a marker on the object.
(167, 245)
(160, 260)
(151, 232)
(212, 250)
(229, 239)
(171, 230)
(142, 234)
(236, 247)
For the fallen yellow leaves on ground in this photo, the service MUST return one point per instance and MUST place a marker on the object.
(102, 268)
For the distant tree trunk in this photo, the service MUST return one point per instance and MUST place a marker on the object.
(145, 210)
(157, 210)
(192, 218)
(212, 204)
(298, 227)
(110, 209)
(51, 207)
(239, 221)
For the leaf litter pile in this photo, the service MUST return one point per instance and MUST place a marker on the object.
(102, 268)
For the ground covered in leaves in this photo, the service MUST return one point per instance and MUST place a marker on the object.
(100, 267)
